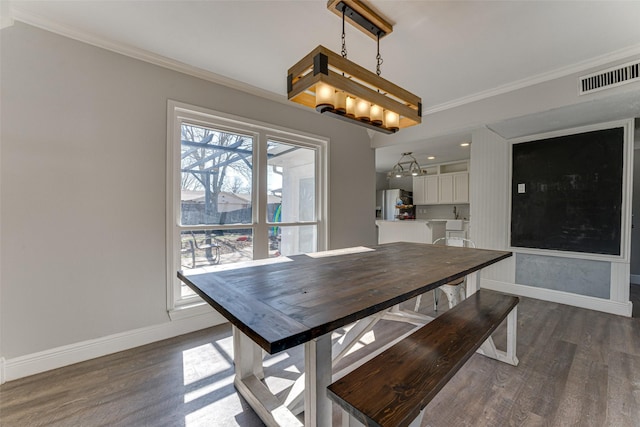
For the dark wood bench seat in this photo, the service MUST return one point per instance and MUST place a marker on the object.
(393, 388)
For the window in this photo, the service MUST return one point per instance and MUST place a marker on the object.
(238, 190)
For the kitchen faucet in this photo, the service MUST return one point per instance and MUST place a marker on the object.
(455, 213)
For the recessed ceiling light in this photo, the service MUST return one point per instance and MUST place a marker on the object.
(431, 157)
(465, 144)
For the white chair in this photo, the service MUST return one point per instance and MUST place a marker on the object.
(455, 291)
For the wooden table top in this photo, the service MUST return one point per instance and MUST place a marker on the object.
(284, 304)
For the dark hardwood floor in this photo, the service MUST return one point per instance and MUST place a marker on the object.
(634, 297)
(577, 367)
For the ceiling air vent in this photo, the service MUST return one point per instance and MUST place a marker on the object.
(610, 77)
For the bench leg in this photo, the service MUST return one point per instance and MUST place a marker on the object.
(418, 421)
(488, 348)
(512, 332)
(349, 420)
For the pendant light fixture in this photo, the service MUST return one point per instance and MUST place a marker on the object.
(406, 166)
(335, 86)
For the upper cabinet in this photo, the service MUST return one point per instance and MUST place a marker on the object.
(425, 190)
(444, 184)
(454, 188)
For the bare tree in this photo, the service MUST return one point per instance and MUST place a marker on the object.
(209, 158)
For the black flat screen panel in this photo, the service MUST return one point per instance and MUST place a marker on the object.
(567, 193)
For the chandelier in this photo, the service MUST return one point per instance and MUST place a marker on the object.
(335, 86)
(406, 167)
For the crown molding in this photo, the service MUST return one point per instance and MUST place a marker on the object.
(6, 15)
(18, 14)
(50, 25)
(580, 67)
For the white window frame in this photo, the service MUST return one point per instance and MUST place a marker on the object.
(179, 113)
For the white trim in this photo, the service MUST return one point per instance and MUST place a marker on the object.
(591, 303)
(54, 358)
(6, 15)
(562, 254)
(198, 308)
(140, 54)
(635, 279)
(152, 58)
(620, 281)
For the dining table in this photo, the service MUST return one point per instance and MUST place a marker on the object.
(279, 303)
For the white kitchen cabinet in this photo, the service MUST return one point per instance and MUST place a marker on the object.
(461, 187)
(431, 189)
(441, 189)
(446, 190)
(454, 188)
(425, 190)
(419, 195)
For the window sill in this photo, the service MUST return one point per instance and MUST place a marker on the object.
(198, 308)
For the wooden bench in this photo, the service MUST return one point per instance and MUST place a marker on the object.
(393, 388)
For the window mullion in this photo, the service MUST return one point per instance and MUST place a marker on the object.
(261, 235)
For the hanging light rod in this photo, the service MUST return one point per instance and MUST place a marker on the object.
(362, 17)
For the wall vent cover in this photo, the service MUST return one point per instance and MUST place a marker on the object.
(611, 77)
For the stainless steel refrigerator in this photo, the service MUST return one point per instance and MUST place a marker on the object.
(386, 201)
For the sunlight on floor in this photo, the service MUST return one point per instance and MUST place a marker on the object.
(367, 338)
(226, 408)
(202, 362)
(210, 396)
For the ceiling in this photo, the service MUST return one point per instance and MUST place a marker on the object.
(443, 51)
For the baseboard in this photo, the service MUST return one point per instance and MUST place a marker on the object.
(23, 366)
(635, 279)
(592, 303)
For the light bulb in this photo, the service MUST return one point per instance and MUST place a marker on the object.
(325, 96)
(341, 102)
(391, 120)
(376, 115)
(363, 110)
(351, 106)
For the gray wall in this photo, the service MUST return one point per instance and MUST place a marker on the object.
(82, 175)
(384, 183)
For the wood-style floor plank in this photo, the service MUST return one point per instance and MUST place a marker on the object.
(577, 367)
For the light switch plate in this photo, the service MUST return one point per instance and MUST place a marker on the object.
(521, 188)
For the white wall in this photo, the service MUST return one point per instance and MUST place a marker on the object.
(489, 204)
(83, 133)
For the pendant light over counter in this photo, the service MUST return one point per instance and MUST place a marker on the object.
(333, 85)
